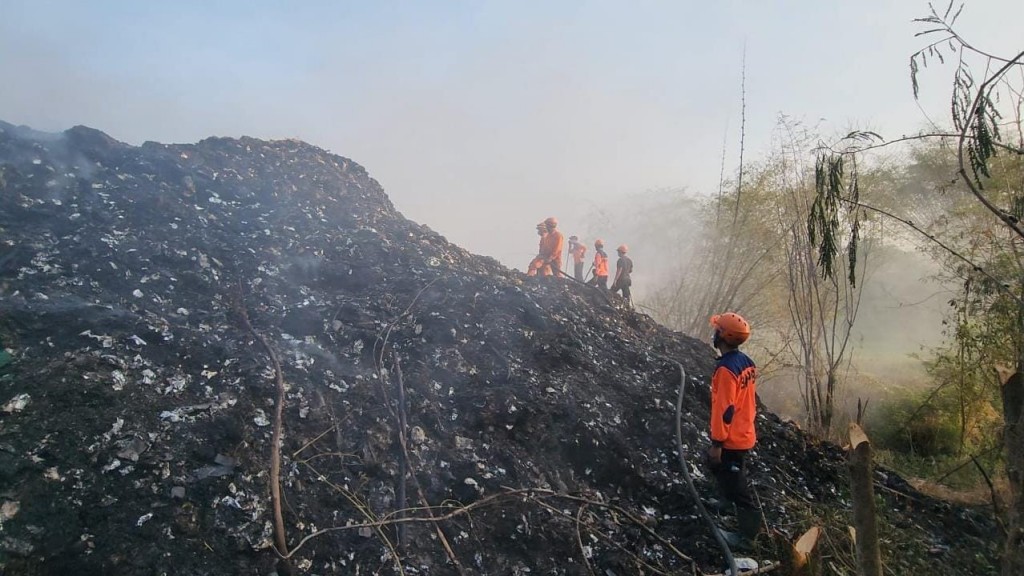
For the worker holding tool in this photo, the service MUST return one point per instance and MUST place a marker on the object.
(578, 250)
(733, 409)
(551, 246)
(600, 278)
(623, 270)
(538, 267)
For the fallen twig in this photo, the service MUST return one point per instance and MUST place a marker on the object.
(403, 424)
(280, 539)
(364, 510)
(579, 539)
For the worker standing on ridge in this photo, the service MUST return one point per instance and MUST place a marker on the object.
(552, 245)
(600, 266)
(537, 265)
(578, 251)
(623, 269)
(733, 409)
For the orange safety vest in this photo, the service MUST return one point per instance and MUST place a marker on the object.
(551, 250)
(734, 401)
(600, 263)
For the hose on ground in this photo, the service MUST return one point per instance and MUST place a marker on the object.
(689, 480)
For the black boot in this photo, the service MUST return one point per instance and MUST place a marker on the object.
(749, 521)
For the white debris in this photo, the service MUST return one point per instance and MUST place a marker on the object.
(118, 379)
(104, 340)
(137, 340)
(261, 419)
(175, 384)
(743, 565)
(143, 519)
(174, 416)
(137, 293)
(9, 509)
(17, 404)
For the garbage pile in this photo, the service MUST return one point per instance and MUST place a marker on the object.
(443, 414)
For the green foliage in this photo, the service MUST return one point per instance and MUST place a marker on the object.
(909, 426)
(823, 221)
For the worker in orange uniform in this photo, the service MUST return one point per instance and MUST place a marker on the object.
(600, 278)
(623, 271)
(733, 410)
(537, 265)
(551, 246)
(578, 251)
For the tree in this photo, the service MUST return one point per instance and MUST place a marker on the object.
(994, 277)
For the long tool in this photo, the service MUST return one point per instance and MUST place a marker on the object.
(603, 293)
(586, 278)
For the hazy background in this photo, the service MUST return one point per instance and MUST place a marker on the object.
(481, 118)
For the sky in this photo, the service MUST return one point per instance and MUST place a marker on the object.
(482, 118)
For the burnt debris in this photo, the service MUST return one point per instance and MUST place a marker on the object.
(139, 408)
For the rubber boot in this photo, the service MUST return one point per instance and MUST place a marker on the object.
(736, 541)
(749, 521)
(721, 507)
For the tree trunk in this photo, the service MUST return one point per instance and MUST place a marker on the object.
(1013, 437)
(869, 555)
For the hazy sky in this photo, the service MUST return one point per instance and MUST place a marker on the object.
(481, 118)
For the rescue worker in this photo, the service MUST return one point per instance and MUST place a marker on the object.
(600, 278)
(552, 245)
(578, 251)
(537, 265)
(623, 269)
(733, 409)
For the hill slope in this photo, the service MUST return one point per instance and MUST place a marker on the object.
(139, 433)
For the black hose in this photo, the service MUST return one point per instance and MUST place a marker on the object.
(686, 473)
(603, 293)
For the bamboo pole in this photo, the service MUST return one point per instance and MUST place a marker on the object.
(865, 521)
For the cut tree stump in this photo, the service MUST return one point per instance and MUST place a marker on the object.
(804, 562)
(865, 520)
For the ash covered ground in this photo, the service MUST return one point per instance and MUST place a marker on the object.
(135, 436)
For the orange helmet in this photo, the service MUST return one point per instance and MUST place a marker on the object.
(622, 248)
(551, 222)
(731, 328)
(598, 243)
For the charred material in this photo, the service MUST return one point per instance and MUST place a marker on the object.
(537, 420)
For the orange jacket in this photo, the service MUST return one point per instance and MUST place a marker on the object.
(538, 267)
(600, 263)
(734, 402)
(551, 249)
(578, 251)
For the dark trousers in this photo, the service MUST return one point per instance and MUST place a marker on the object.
(578, 269)
(731, 475)
(624, 286)
(599, 281)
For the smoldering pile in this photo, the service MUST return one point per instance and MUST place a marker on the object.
(537, 418)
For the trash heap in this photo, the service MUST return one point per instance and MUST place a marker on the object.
(533, 422)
